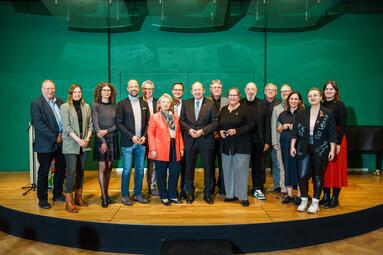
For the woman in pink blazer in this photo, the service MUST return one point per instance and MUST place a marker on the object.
(166, 147)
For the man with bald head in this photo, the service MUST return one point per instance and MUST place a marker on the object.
(199, 121)
(46, 120)
(132, 119)
(260, 139)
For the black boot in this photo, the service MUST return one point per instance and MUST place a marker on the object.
(326, 197)
(334, 200)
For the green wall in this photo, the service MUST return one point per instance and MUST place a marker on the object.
(34, 48)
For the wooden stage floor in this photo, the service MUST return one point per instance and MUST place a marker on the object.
(364, 191)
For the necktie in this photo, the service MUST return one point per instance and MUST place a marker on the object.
(56, 112)
(197, 108)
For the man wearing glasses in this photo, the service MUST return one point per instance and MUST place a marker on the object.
(147, 95)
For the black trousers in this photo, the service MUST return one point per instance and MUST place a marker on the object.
(313, 163)
(258, 170)
(45, 160)
(220, 180)
(190, 163)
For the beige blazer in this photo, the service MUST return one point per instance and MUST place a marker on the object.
(70, 124)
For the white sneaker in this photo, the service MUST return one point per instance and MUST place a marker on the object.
(314, 207)
(259, 195)
(303, 204)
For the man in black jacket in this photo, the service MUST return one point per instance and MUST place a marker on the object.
(199, 121)
(46, 120)
(261, 139)
(132, 119)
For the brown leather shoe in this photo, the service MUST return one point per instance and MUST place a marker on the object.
(78, 198)
(69, 206)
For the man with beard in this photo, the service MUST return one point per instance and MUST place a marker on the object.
(131, 120)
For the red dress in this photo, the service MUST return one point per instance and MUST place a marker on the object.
(335, 174)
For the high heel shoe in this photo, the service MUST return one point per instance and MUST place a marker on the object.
(104, 203)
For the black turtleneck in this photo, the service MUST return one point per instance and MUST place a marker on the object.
(77, 106)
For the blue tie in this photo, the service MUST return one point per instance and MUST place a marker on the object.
(197, 108)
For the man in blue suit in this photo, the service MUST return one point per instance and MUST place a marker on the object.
(46, 120)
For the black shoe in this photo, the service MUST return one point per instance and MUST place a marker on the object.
(332, 204)
(326, 197)
(190, 199)
(59, 198)
(297, 200)
(287, 199)
(104, 203)
(110, 201)
(44, 204)
(175, 201)
(230, 199)
(245, 203)
(165, 202)
(208, 199)
(184, 195)
(277, 190)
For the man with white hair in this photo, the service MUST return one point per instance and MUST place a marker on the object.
(46, 120)
(260, 139)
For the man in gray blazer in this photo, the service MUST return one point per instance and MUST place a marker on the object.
(219, 102)
(46, 120)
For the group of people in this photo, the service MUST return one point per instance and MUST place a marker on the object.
(169, 133)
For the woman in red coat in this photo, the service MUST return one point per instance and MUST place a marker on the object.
(166, 148)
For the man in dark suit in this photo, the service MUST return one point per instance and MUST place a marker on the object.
(219, 102)
(132, 119)
(147, 95)
(46, 120)
(261, 139)
(178, 92)
(199, 121)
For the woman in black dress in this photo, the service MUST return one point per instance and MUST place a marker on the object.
(106, 149)
(294, 103)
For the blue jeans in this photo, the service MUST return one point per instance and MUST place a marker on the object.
(138, 152)
(275, 168)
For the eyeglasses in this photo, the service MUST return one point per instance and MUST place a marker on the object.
(285, 91)
(147, 88)
(232, 95)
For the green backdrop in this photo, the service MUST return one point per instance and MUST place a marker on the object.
(36, 47)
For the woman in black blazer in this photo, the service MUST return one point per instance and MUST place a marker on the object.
(313, 143)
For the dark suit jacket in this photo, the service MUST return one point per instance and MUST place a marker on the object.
(45, 124)
(324, 133)
(262, 128)
(207, 121)
(154, 102)
(125, 120)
